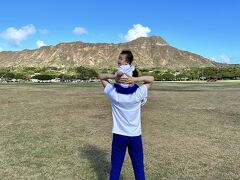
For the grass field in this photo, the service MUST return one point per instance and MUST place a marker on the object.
(191, 130)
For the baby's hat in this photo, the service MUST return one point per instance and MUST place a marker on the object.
(126, 69)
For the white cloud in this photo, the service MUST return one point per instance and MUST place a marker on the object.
(223, 58)
(79, 30)
(1, 49)
(16, 36)
(138, 30)
(40, 43)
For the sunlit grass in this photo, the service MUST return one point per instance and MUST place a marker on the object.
(191, 130)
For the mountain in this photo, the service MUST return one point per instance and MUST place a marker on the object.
(148, 52)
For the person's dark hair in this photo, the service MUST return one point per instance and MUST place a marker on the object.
(129, 55)
(135, 73)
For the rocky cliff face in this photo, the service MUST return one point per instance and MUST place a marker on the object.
(148, 52)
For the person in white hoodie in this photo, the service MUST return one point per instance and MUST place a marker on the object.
(126, 114)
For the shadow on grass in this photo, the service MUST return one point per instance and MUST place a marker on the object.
(98, 160)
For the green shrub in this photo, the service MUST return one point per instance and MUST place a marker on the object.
(44, 76)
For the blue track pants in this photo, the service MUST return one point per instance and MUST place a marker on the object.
(135, 150)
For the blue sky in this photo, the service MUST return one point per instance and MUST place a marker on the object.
(210, 28)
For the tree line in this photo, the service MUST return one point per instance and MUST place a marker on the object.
(86, 73)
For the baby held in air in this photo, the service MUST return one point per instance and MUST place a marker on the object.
(127, 70)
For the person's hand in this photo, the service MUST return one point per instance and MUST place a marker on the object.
(127, 79)
(118, 76)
